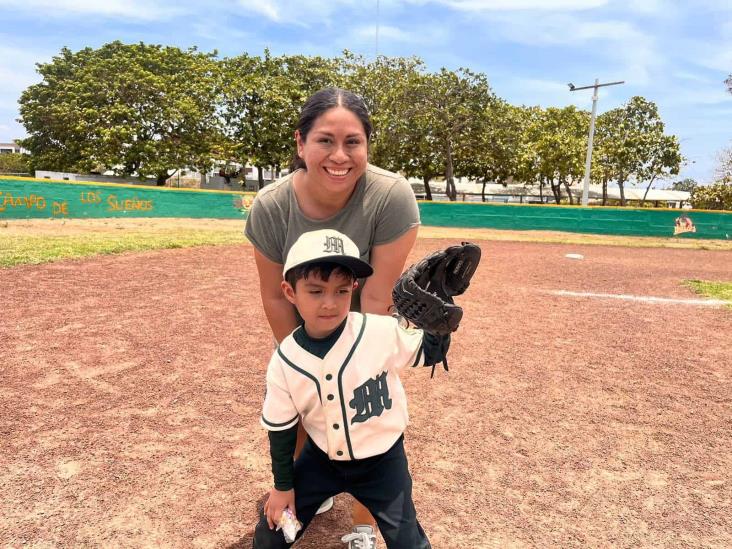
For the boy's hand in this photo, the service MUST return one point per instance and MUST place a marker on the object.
(278, 501)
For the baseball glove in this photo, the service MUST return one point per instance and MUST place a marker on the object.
(424, 293)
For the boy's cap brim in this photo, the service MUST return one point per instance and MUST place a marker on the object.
(358, 267)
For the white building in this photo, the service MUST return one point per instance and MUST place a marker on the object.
(11, 148)
(494, 192)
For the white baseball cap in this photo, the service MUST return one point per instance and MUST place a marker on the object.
(327, 245)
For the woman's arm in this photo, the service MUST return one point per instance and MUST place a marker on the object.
(280, 312)
(387, 261)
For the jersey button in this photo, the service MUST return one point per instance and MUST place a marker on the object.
(329, 377)
(339, 452)
(330, 397)
(336, 426)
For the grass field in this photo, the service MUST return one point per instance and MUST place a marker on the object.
(716, 290)
(39, 241)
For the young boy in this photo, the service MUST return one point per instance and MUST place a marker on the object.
(339, 373)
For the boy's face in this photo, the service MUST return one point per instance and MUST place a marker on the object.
(322, 304)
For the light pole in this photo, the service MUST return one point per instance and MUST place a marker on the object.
(588, 160)
(377, 28)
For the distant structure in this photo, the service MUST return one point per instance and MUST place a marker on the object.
(6, 148)
(469, 191)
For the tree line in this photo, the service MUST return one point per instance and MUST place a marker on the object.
(149, 110)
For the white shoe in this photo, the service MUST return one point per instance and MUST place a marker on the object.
(326, 506)
(362, 537)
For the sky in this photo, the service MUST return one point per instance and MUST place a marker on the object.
(675, 53)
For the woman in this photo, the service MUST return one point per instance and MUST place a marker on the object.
(333, 186)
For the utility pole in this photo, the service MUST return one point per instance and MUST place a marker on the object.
(377, 28)
(588, 160)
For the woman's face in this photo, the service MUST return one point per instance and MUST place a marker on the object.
(335, 151)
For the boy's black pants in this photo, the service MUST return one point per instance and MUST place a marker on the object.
(381, 483)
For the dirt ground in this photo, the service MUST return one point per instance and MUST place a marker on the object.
(131, 386)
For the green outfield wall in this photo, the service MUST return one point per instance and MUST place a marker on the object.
(39, 198)
(597, 220)
(33, 198)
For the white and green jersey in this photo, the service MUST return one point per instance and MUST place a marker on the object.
(351, 402)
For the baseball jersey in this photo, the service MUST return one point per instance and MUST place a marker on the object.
(352, 402)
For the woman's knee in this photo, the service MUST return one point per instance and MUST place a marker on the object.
(265, 538)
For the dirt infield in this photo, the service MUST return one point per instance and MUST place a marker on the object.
(131, 387)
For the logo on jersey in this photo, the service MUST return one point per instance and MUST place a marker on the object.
(333, 245)
(370, 399)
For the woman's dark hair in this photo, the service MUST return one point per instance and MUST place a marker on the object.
(322, 101)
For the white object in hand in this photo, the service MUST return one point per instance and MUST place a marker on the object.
(290, 525)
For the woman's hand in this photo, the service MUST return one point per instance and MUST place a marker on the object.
(279, 501)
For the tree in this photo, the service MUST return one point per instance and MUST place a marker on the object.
(712, 197)
(446, 115)
(136, 109)
(723, 170)
(460, 103)
(554, 152)
(497, 155)
(14, 163)
(663, 159)
(426, 124)
(688, 184)
(633, 147)
(602, 169)
(385, 84)
(261, 99)
(528, 161)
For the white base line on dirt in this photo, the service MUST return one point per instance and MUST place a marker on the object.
(646, 299)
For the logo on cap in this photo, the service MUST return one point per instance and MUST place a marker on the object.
(333, 245)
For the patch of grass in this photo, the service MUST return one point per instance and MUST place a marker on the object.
(715, 290)
(18, 249)
(549, 237)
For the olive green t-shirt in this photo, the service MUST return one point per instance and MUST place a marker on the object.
(381, 209)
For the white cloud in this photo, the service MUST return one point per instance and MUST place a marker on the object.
(18, 69)
(536, 91)
(716, 59)
(711, 53)
(515, 5)
(655, 8)
(714, 5)
(553, 93)
(294, 11)
(367, 35)
(562, 29)
(17, 72)
(621, 50)
(214, 28)
(271, 9)
(126, 9)
(298, 12)
(696, 96)
(12, 131)
(691, 77)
